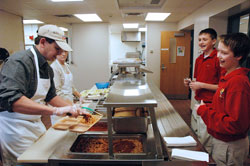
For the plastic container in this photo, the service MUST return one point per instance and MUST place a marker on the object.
(102, 85)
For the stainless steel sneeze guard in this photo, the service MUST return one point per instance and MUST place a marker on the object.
(132, 91)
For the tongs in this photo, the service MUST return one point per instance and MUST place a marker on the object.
(92, 110)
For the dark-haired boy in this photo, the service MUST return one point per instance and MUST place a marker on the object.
(207, 73)
(228, 118)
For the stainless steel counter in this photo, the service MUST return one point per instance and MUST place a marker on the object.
(171, 124)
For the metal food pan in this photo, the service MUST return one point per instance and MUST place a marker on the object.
(81, 141)
(130, 124)
(102, 111)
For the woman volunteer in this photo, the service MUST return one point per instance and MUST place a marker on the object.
(63, 80)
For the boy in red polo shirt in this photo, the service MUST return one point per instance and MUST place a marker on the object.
(228, 118)
(207, 73)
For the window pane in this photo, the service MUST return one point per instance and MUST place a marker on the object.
(172, 50)
(244, 20)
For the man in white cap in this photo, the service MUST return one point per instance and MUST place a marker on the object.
(26, 84)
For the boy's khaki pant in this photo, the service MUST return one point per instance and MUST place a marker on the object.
(230, 153)
(203, 136)
(200, 129)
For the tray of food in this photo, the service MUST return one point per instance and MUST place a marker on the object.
(95, 94)
(79, 124)
(96, 143)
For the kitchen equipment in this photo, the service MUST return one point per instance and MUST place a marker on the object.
(130, 124)
(128, 65)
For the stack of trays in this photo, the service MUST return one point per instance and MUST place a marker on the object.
(80, 124)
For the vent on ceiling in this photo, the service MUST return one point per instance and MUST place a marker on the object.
(155, 1)
(134, 14)
(140, 4)
(65, 15)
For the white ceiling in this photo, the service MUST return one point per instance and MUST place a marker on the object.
(112, 11)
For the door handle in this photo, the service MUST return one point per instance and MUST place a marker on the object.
(163, 67)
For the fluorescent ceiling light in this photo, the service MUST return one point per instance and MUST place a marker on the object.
(63, 29)
(88, 17)
(156, 16)
(65, 0)
(142, 29)
(32, 22)
(131, 25)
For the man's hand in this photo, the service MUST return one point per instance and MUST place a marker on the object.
(67, 110)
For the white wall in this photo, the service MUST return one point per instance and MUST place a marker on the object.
(153, 46)
(117, 48)
(90, 44)
(210, 9)
(11, 32)
(219, 23)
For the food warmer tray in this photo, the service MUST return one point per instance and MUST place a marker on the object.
(63, 154)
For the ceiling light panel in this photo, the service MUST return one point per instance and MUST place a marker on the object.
(63, 29)
(32, 22)
(89, 17)
(130, 25)
(142, 29)
(156, 16)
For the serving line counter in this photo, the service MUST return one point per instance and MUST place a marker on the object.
(171, 124)
(128, 90)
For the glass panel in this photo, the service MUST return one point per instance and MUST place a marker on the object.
(172, 50)
(244, 20)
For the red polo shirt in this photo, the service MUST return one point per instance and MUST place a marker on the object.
(208, 71)
(228, 119)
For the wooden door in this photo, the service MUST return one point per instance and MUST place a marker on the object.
(175, 63)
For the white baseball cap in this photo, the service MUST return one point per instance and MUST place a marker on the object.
(55, 33)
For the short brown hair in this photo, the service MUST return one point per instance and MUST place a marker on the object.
(38, 38)
(210, 31)
(239, 43)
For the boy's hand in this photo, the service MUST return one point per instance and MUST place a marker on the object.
(195, 85)
(187, 81)
(196, 106)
